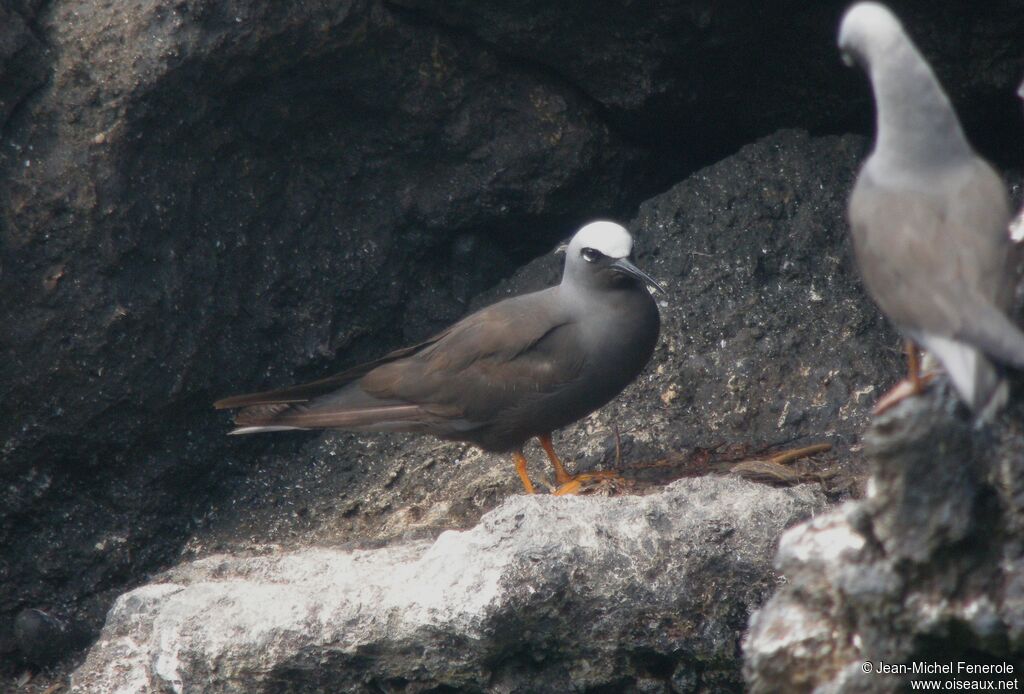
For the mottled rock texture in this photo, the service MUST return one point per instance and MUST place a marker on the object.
(199, 198)
(927, 568)
(546, 594)
(700, 77)
(746, 259)
(727, 369)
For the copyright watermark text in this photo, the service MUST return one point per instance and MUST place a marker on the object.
(961, 675)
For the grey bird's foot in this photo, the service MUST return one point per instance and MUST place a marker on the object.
(906, 388)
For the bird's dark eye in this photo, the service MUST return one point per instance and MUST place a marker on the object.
(591, 255)
(853, 58)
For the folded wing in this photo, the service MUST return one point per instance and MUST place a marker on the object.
(484, 366)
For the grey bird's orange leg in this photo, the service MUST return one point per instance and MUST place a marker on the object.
(521, 470)
(913, 384)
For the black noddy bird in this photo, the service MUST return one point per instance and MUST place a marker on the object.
(929, 221)
(518, 369)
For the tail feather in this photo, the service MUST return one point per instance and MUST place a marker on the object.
(303, 417)
(256, 430)
(306, 392)
(348, 409)
(977, 380)
(989, 329)
(260, 415)
(336, 402)
(1000, 396)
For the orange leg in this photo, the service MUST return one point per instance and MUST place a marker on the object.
(913, 384)
(568, 484)
(561, 476)
(521, 470)
(913, 365)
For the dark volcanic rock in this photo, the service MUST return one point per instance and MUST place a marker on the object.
(44, 639)
(729, 245)
(751, 249)
(547, 594)
(704, 76)
(926, 569)
(203, 197)
(198, 198)
(22, 70)
(769, 333)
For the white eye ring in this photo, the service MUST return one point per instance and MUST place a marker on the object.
(591, 255)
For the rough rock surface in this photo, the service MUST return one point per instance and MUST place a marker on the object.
(197, 197)
(21, 69)
(747, 257)
(644, 593)
(751, 248)
(201, 197)
(929, 568)
(698, 76)
(732, 366)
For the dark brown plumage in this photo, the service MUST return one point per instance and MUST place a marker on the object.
(518, 369)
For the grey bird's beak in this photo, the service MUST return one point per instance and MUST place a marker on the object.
(847, 58)
(627, 268)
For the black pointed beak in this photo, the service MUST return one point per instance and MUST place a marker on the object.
(627, 268)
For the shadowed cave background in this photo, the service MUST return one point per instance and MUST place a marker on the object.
(199, 198)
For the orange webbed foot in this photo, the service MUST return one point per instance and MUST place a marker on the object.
(571, 484)
(575, 484)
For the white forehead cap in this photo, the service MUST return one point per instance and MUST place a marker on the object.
(607, 237)
(867, 24)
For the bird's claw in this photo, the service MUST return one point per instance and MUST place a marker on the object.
(575, 482)
(901, 391)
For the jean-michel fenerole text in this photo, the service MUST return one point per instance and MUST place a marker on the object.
(947, 668)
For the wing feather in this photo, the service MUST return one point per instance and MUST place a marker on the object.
(488, 364)
(940, 264)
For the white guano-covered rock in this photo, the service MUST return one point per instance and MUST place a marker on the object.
(545, 594)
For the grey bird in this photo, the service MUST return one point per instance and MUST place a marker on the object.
(518, 369)
(929, 220)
